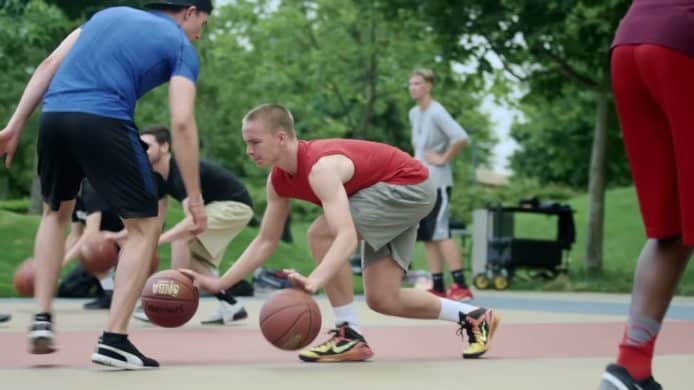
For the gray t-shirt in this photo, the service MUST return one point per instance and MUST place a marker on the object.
(435, 130)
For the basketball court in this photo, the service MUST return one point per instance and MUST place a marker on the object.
(545, 341)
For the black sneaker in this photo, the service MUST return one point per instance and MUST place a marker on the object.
(5, 317)
(617, 377)
(41, 337)
(103, 301)
(115, 350)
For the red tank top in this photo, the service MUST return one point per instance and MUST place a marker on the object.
(373, 162)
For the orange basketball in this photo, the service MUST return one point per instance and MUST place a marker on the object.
(24, 278)
(290, 319)
(98, 254)
(169, 298)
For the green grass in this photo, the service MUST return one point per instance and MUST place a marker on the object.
(624, 237)
(17, 236)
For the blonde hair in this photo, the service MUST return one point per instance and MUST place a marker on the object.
(426, 74)
(275, 116)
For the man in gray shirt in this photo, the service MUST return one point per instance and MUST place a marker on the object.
(437, 138)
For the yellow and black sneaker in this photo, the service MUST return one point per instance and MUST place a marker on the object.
(480, 326)
(346, 345)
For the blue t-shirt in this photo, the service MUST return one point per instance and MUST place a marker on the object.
(121, 54)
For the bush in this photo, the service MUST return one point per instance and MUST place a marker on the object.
(20, 206)
(464, 201)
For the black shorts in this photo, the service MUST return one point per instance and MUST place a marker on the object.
(435, 226)
(74, 145)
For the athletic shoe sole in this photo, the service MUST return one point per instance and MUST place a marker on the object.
(40, 345)
(494, 323)
(117, 363)
(613, 383)
(238, 316)
(356, 354)
(129, 361)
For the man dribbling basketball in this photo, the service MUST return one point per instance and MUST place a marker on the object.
(368, 191)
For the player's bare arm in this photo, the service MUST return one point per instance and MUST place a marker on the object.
(258, 251)
(34, 91)
(184, 134)
(92, 225)
(327, 180)
(445, 157)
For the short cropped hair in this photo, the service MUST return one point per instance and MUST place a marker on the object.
(160, 132)
(426, 74)
(275, 116)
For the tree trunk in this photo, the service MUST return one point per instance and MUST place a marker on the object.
(596, 189)
(4, 187)
(371, 81)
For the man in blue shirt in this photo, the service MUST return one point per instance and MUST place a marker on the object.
(89, 86)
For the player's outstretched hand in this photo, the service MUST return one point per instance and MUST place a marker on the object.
(208, 283)
(300, 281)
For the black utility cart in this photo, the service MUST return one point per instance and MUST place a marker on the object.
(498, 252)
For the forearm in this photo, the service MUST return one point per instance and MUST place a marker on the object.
(180, 231)
(453, 150)
(73, 250)
(118, 236)
(338, 253)
(256, 254)
(39, 81)
(31, 97)
(185, 143)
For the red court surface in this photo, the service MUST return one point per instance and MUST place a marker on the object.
(404, 343)
(567, 351)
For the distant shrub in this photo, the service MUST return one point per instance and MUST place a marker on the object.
(467, 199)
(15, 205)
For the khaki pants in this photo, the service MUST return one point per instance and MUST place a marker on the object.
(224, 221)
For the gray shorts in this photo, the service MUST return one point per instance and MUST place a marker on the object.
(386, 217)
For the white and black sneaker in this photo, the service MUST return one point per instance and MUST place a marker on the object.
(617, 377)
(226, 314)
(5, 317)
(115, 350)
(41, 337)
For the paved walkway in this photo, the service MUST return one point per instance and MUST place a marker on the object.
(545, 341)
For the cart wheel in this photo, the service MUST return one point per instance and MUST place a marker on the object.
(501, 282)
(481, 281)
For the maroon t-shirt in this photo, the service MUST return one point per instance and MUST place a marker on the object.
(668, 23)
(373, 162)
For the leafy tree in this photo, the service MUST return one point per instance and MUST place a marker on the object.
(28, 32)
(81, 9)
(545, 44)
(556, 140)
(340, 67)
(337, 65)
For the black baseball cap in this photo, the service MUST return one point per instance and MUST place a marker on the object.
(202, 5)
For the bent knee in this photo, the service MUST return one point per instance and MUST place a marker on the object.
(382, 303)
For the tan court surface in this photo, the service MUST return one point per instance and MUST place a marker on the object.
(545, 341)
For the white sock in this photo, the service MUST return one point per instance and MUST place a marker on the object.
(451, 308)
(347, 314)
(107, 281)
